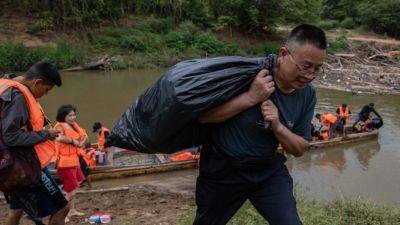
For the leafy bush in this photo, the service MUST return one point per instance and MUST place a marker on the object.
(189, 31)
(175, 40)
(338, 44)
(348, 23)
(44, 24)
(157, 25)
(18, 57)
(209, 43)
(328, 24)
(264, 48)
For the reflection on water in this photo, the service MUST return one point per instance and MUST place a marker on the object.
(369, 169)
(335, 158)
(364, 152)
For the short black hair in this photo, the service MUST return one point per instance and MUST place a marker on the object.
(344, 105)
(317, 115)
(96, 126)
(46, 71)
(308, 34)
(63, 111)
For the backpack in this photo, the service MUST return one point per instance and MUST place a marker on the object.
(17, 173)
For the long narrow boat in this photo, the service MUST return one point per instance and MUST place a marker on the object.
(351, 138)
(107, 172)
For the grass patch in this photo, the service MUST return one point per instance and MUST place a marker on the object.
(339, 212)
(338, 44)
(15, 56)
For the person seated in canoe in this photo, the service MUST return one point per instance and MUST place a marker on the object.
(87, 161)
(328, 125)
(365, 113)
(360, 127)
(90, 156)
(343, 113)
(102, 134)
(368, 121)
(315, 133)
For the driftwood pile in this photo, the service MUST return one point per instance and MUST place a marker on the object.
(365, 69)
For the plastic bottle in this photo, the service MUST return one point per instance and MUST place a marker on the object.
(106, 218)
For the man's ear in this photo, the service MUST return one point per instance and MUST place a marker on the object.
(283, 51)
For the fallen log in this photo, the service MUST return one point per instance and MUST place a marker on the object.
(90, 66)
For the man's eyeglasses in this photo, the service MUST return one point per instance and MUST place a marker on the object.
(306, 70)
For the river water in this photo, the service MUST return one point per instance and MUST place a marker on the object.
(370, 169)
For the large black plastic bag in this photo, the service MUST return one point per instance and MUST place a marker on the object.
(165, 117)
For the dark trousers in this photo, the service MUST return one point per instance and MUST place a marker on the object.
(222, 189)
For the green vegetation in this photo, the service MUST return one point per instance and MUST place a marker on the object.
(339, 212)
(381, 16)
(338, 44)
(18, 57)
(248, 16)
(154, 33)
(159, 43)
(151, 43)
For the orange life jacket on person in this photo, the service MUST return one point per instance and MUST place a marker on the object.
(46, 151)
(182, 157)
(328, 119)
(101, 139)
(68, 154)
(90, 158)
(344, 112)
(325, 135)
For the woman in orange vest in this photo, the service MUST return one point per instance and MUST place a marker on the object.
(343, 112)
(69, 146)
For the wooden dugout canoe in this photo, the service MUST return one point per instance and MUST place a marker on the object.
(108, 172)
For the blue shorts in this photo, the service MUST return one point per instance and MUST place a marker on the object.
(41, 201)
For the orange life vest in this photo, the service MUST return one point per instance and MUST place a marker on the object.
(101, 139)
(325, 135)
(182, 157)
(328, 119)
(68, 154)
(45, 151)
(90, 158)
(344, 112)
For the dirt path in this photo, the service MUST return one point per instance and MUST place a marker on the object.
(141, 204)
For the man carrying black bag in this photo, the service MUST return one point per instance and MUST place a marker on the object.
(240, 160)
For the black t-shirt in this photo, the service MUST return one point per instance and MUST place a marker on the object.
(242, 136)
